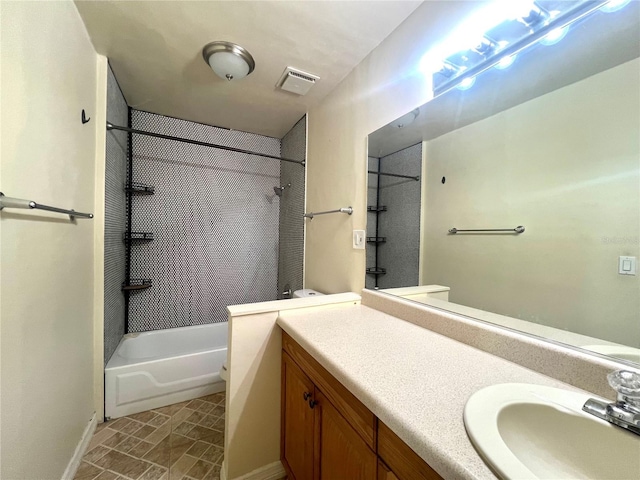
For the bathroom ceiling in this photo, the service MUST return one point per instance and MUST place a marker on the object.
(155, 50)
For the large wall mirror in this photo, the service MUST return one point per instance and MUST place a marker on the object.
(514, 197)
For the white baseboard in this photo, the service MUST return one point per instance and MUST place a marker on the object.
(273, 471)
(74, 463)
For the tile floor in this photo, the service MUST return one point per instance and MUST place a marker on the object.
(179, 442)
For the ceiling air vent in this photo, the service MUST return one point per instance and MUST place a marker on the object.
(296, 81)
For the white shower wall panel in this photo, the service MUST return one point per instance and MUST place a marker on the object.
(214, 216)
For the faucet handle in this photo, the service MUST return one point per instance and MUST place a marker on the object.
(627, 384)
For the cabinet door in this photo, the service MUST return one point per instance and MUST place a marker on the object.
(297, 422)
(403, 462)
(384, 473)
(342, 453)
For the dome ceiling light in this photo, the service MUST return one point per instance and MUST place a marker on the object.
(228, 60)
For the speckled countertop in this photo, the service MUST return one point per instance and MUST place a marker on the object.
(414, 380)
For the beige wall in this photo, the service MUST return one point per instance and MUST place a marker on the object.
(252, 422)
(382, 87)
(564, 165)
(48, 76)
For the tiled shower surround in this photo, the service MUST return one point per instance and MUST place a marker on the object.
(215, 221)
(400, 223)
(291, 245)
(115, 219)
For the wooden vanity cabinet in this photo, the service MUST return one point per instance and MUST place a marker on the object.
(384, 473)
(342, 453)
(328, 434)
(317, 441)
(402, 461)
(297, 446)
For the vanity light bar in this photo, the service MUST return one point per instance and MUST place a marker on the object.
(492, 49)
(536, 16)
(487, 47)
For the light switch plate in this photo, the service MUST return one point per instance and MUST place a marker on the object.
(358, 239)
(627, 265)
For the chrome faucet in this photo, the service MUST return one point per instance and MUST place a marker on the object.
(287, 292)
(625, 411)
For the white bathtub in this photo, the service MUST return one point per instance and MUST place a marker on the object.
(155, 369)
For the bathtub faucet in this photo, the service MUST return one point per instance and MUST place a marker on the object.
(287, 292)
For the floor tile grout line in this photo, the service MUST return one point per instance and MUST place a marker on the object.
(123, 453)
(192, 406)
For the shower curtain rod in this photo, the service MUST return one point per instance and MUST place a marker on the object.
(412, 177)
(111, 126)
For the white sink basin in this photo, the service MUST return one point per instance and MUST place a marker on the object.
(525, 431)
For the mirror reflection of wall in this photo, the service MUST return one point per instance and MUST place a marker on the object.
(393, 219)
(564, 165)
(551, 143)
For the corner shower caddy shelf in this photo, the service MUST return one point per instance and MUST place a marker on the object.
(374, 208)
(136, 284)
(376, 239)
(130, 238)
(378, 209)
(137, 237)
(376, 270)
(140, 189)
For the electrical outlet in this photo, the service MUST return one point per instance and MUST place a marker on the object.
(358, 239)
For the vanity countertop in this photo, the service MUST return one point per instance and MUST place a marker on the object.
(414, 380)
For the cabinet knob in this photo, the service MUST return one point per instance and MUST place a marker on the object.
(312, 403)
(306, 395)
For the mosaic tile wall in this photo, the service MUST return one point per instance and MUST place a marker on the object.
(115, 219)
(292, 201)
(400, 254)
(401, 222)
(214, 217)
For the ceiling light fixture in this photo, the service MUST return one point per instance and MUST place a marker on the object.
(466, 83)
(228, 60)
(535, 16)
(486, 47)
(614, 5)
(504, 29)
(554, 36)
(506, 62)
